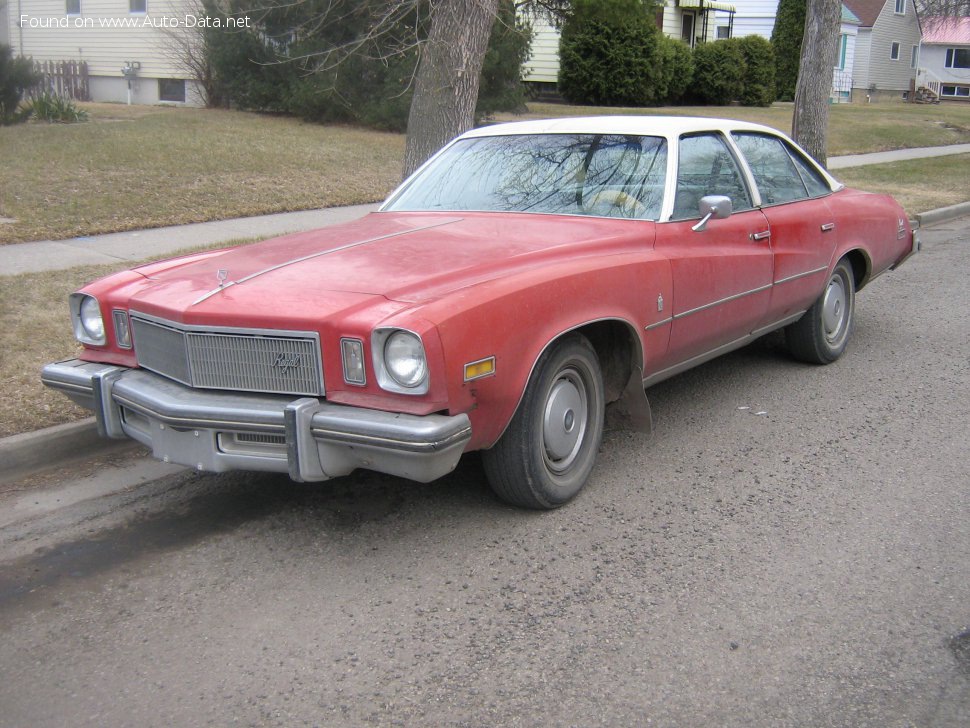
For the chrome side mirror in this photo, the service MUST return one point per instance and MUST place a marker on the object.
(713, 206)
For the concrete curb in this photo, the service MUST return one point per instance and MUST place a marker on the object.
(943, 214)
(22, 454)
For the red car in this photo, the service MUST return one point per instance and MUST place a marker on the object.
(526, 279)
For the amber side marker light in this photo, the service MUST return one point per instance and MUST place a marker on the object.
(480, 368)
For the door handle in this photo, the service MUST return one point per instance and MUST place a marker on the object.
(764, 235)
(828, 227)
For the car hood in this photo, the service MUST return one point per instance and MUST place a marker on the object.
(405, 257)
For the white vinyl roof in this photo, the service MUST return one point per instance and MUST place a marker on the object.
(664, 126)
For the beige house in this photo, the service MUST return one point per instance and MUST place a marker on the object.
(886, 49)
(131, 47)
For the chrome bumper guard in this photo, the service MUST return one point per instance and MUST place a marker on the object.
(217, 431)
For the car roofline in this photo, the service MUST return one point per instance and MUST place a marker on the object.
(666, 126)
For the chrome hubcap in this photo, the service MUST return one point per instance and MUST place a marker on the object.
(834, 308)
(564, 421)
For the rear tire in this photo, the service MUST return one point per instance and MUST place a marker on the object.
(547, 453)
(821, 335)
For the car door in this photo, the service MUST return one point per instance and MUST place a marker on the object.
(722, 273)
(803, 232)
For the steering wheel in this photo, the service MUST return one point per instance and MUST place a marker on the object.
(607, 203)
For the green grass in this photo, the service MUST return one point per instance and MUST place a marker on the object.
(137, 167)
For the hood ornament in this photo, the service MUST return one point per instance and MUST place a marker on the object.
(222, 275)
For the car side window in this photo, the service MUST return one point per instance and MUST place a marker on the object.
(707, 167)
(781, 173)
(815, 182)
(774, 171)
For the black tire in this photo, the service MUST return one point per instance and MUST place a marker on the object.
(547, 453)
(821, 335)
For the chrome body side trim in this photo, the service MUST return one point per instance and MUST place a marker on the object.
(801, 275)
(658, 324)
(712, 304)
(308, 438)
(663, 374)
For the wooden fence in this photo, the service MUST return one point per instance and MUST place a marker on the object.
(68, 79)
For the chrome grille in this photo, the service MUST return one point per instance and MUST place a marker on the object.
(238, 359)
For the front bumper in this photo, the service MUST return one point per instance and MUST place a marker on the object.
(219, 431)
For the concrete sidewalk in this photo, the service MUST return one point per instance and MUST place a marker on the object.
(141, 244)
(898, 155)
(136, 245)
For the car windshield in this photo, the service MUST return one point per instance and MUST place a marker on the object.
(606, 175)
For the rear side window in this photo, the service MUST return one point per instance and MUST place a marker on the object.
(781, 173)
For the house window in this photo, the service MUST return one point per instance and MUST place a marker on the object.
(73, 7)
(958, 57)
(900, 7)
(840, 51)
(915, 57)
(137, 6)
(687, 29)
(171, 89)
(962, 92)
(894, 52)
(723, 31)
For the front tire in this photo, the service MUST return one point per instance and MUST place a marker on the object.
(547, 453)
(821, 335)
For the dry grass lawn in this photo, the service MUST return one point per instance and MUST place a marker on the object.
(138, 167)
(919, 185)
(853, 128)
(35, 329)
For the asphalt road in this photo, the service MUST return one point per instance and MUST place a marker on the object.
(791, 548)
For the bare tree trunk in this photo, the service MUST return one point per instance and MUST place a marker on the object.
(446, 87)
(810, 124)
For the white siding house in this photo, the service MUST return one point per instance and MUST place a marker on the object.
(4, 24)
(110, 35)
(753, 17)
(887, 48)
(692, 21)
(944, 58)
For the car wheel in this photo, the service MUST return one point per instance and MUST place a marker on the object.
(545, 456)
(820, 336)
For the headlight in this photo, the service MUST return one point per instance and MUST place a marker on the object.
(399, 361)
(405, 360)
(86, 316)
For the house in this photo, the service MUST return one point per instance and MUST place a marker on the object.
(693, 21)
(4, 24)
(886, 49)
(944, 59)
(131, 47)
